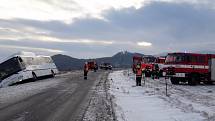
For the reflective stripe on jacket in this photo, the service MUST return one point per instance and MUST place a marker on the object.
(139, 72)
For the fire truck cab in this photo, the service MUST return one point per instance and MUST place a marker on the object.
(151, 65)
(148, 65)
(189, 67)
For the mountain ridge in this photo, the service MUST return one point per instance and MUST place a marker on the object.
(119, 60)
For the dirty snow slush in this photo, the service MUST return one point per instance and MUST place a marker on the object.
(150, 103)
(100, 107)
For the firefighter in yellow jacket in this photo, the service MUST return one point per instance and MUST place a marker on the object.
(139, 74)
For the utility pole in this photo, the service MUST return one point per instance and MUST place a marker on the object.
(166, 86)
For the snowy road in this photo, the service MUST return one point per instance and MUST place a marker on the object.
(150, 103)
(105, 97)
(65, 98)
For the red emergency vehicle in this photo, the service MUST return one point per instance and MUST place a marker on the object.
(188, 67)
(92, 65)
(148, 65)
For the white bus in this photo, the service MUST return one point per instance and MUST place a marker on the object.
(25, 65)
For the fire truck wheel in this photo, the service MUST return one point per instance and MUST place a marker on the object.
(174, 80)
(208, 82)
(192, 81)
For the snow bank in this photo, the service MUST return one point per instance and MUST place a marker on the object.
(15, 93)
(142, 104)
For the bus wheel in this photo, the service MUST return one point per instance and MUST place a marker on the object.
(34, 77)
(53, 74)
(174, 80)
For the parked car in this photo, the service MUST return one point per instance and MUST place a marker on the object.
(106, 66)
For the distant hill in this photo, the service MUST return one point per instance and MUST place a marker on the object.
(119, 60)
(67, 63)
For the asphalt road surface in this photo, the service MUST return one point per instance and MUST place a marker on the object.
(69, 100)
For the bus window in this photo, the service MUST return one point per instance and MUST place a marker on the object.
(9, 67)
(48, 60)
(21, 62)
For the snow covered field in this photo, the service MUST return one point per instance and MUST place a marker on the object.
(150, 103)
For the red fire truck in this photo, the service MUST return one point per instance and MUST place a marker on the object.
(92, 65)
(189, 67)
(148, 65)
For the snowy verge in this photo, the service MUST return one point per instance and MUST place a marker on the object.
(142, 103)
(15, 93)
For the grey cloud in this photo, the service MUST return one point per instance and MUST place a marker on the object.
(173, 20)
(68, 5)
(168, 26)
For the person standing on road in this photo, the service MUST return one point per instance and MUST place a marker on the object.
(155, 72)
(139, 74)
(86, 69)
(95, 67)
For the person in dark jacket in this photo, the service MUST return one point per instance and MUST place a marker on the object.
(86, 69)
(155, 72)
(95, 67)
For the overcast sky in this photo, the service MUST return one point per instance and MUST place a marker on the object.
(97, 28)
